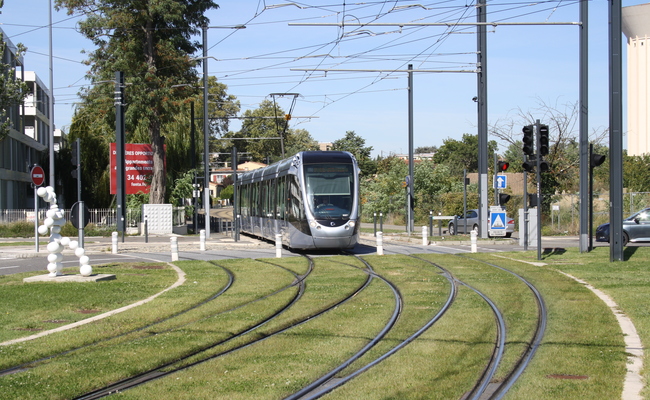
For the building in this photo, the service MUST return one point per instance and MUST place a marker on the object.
(636, 27)
(22, 147)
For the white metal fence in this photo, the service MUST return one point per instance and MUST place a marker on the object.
(101, 217)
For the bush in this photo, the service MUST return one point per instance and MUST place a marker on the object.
(22, 229)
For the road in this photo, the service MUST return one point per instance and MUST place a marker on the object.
(24, 258)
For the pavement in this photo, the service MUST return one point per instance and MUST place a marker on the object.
(26, 247)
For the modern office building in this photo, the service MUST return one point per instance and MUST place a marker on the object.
(636, 27)
(27, 141)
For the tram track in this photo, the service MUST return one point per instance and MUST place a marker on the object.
(197, 357)
(330, 381)
(524, 360)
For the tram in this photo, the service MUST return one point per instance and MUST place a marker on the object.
(311, 199)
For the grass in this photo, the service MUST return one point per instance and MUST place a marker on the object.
(582, 337)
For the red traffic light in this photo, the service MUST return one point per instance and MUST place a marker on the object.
(502, 166)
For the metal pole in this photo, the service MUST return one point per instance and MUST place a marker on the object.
(36, 217)
(119, 147)
(374, 222)
(409, 206)
(525, 210)
(235, 195)
(51, 105)
(481, 56)
(494, 182)
(591, 201)
(615, 133)
(82, 218)
(80, 237)
(464, 202)
(206, 136)
(585, 230)
(539, 192)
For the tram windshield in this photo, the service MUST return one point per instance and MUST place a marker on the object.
(330, 189)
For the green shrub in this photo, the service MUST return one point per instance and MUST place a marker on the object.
(17, 229)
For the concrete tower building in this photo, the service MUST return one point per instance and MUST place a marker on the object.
(636, 26)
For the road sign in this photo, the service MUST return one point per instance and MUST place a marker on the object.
(498, 223)
(501, 181)
(38, 175)
(75, 212)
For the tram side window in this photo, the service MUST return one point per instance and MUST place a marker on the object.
(255, 200)
(243, 203)
(281, 197)
(295, 210)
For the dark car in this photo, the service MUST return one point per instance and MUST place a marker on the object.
(636, 228)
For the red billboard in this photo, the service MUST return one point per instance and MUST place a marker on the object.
(138, 164)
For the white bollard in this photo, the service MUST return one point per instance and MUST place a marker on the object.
(380, 243)
(472, 236)
(202, 238)
(174, 243)
(278, 246)
(114, 242)
(425, 235)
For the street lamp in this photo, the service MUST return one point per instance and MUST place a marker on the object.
(206, 135)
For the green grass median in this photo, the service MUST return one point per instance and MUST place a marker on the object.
(582, 355)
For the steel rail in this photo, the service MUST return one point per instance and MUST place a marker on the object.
(450, 299)
(158, 372)
(533, 345)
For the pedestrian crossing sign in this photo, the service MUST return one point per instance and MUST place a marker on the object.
(498, 223)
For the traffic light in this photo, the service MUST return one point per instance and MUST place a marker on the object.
(528, 166)
(502, 166)
(543, 140)
(76, 159)
(543, 166)
(75, 154)
(529, 140)
(503, 198)
(596, 160)
(532, 200)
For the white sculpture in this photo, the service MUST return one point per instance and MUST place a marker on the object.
(53, 222)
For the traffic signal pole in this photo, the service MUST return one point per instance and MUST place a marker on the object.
(538, 172)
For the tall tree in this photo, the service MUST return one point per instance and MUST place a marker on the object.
(356, 145)
(150, 41)
(462, 154)
(261, 133)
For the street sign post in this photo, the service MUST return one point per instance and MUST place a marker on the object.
(38, 175)
(501, 181)
(38, 178)
(498, 221)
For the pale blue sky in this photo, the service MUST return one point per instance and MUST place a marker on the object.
(525, 63)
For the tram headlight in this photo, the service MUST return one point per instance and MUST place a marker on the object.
(352, 224)
(313, 223)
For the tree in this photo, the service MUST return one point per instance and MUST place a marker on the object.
(299, 140)
(564, 155)
(264, 130)
(356, 145)
(260, 126)
(150, 42)
(12, 89)
(425, 149)
(459, 155)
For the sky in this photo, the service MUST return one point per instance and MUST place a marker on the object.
(527, 65)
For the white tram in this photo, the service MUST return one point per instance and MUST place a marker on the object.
(311, 199)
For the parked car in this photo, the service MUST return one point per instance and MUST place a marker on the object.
(458, 225)
(636, 228)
